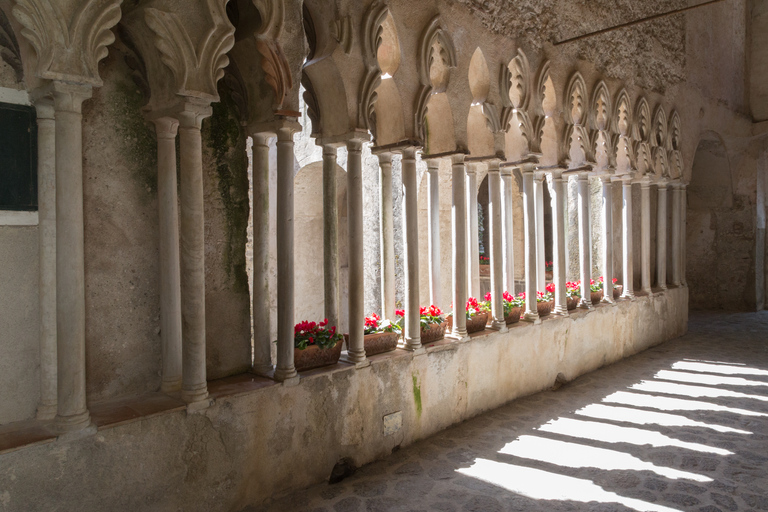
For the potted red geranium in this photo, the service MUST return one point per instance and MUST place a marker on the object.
(379, 335)
(512, 307)
(431, 320)
(477, 315)
(543, 302)
(572, 294)
(315, 345)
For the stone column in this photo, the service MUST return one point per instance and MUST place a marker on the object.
(46, 230)
(170, 272)
(194, 387)
(285, 370)
(676, 244)
(262, 337)
(433, 215)
(412, 335)
(626, 224)
(559, 197)
(661, 237)
(331, 237)
(72, 412)
(529, 222)
(508, 237)
(387, 239)
(538, 194)
(473, 248)
(683, 231)
(495, 213)
(459, 236)
(355, 346)
(585, 262)
(645, 236)
(607, 214)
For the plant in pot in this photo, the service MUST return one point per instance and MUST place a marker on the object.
(548, 269)
(477, 315)
(543, 302)
(617, 288)
(315, 344)
(485, 266)
(596, 291)
(431, 321)
(379, 335)
(572, 294)
(512, 307)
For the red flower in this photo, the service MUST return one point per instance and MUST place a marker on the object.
(400, 312)
(508, 297)
(550, 287)
(488, 296)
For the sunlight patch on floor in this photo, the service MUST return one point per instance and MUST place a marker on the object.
(724, 368)
(664, 403)
(638, 417)
(575, 455)
(543, 485)
(607, 433)
(712, 380)
(693, 391)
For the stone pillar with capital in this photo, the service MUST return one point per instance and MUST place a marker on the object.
(683, 230)
(531, 313)
(661, 236)
(645, 236)
(508, 234)
(676, 233)
(170, 271)
(412, 332)
(330, 236)
(473, 235)
(627, 246)
(585, 260)
(387, 237)
(607, 214)
(46, 211)
(262, 337)
(497, 278)
(541, 264)
(459, 235)
(559, 197)
(433, 216)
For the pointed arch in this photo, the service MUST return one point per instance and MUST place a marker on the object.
(437, 57)
(621, 124)
(479, 77)
(600, 109)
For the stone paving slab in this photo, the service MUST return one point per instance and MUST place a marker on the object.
(682, 426)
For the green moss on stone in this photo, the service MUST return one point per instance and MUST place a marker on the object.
(417, 395)
(226, 139)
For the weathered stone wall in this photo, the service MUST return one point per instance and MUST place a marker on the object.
(277, 439)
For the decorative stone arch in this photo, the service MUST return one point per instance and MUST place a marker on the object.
(658, 144)
(621, 126)
(641, 135)
(521, 136)
(545, 109)
(599, 123)
(481, 118)
(674, 154)
(576, 140)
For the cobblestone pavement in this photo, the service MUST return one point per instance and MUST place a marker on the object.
(682, 426)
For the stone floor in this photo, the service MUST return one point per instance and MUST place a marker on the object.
(683, 426)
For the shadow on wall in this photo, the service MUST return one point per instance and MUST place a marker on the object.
(720, 233)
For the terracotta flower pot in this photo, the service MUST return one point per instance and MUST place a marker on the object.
(433, 332)
(377, 343)
(596, 297)
(485, 270)
(477, 323)
(315, 357)
(572, 302)
(513, 316)
(544, 308)
(617, 289)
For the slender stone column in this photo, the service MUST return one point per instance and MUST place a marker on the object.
(355, 346)
(285, 371)
(626, 224)
(72, 412)
(585, 261)
(559, 197)
(46, 212)
(645, 236)
(387, 239)
(683, 231)
(194, 387)
(331, 237)
(538, 194)
(262, 337)
(607, 213)
(433, 215)
(507, 227)
(529, 222)
(170, 272)
(412, 335)
(676, 244)
(661, 237)
(473, 247)
(497, 277)
(459, 235)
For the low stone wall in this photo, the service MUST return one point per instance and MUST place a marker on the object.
(248, 447)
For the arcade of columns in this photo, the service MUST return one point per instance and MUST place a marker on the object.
(186, 46)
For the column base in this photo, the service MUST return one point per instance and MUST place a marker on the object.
(194, 395)
(560, 311)
(607, 300)
(170, 386)
(499, 325)
(200, 405)
(412, 344)
(284, 374)
(46, 412)
(66, 424)
(585, 304)
(355, 360)
(459, 336)
(628, 296)
(263, 370)
(531, 317)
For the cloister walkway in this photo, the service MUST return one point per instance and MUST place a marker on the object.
(682, 426)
